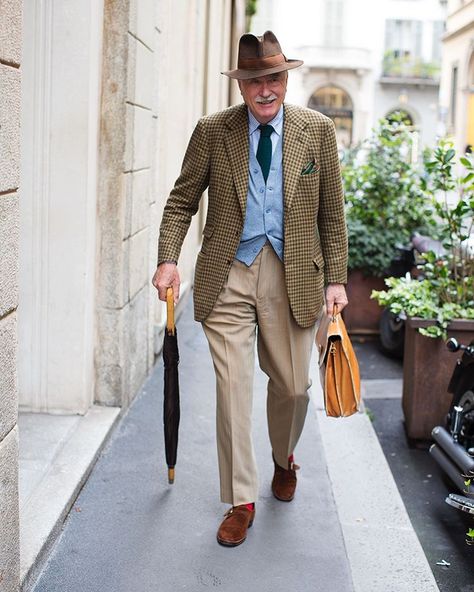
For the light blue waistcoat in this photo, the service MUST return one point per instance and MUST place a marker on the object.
(264, 210)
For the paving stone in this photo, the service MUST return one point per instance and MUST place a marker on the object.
(10, 101)
(8, 377)
(10, 30)
(138, 270)
(9, 244)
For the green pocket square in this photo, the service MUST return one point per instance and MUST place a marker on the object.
(310, 168)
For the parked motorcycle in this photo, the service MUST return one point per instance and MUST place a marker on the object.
(407, 260)
(453, 447)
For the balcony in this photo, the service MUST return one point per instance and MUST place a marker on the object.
(409, 70)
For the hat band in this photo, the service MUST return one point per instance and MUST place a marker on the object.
(261, 63)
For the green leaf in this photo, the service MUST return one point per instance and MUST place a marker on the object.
(450, 154)
(467, 178)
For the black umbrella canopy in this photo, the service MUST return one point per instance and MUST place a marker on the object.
(171, 412)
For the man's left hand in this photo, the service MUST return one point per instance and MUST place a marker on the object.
(335, 296)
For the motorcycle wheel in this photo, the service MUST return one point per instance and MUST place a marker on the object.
(392, 334)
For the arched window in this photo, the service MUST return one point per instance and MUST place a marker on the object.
(403, 117)
(336, 104)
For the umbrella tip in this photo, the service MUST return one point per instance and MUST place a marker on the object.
(171, 476)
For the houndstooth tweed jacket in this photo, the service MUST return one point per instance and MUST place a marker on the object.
(217, 158)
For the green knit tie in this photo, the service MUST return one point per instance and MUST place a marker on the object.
(264, 150)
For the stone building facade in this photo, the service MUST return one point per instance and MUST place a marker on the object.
(10, 75)
(362, 60)
(111, 91)
(457, 74)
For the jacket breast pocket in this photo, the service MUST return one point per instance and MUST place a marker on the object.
(310, 177)
(309, 184)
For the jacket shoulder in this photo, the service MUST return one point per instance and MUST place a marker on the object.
(230, 116)
(304, 115)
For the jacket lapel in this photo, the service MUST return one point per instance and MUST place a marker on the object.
(294, 152)
(237, 146)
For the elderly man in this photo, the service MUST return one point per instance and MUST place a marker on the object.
(274, 245)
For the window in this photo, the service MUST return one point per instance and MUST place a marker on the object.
(470, 76)
(403, 38)
(404, 52)
(336, 104)
(454, 86)
(334, 17)
(393, 116)
(438, 30)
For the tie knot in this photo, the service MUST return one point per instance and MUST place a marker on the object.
(266, 130)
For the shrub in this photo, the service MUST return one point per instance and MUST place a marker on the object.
(384, 197)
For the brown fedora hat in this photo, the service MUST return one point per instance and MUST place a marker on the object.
(259, 56)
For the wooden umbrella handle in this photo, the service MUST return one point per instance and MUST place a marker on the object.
(170, 326)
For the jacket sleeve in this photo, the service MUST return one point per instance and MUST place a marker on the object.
(331, 217)
(185, 196)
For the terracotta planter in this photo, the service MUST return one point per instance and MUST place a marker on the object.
(427, 368)
(362, 315)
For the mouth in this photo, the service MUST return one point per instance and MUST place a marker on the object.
(269, 102)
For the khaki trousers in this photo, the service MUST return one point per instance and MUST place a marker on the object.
(253, 305)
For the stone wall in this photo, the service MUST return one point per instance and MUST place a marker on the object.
(160, 74)
(458, 52)
(10, 55)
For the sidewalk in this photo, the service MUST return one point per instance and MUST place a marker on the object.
(129, 531)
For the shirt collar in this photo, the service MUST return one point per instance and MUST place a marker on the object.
(276, 122)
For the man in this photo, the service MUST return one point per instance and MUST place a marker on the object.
(274, 237)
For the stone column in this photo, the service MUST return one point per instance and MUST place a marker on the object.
(60, 101)
(10, 55)
(113, 252)
(123, 353)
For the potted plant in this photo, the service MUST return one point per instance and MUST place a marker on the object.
(385, 204)
(441, 302)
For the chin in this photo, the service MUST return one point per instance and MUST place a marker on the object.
(267, 114)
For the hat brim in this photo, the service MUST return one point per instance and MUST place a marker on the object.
(241, 74)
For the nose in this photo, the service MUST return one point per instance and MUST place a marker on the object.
(265, 89)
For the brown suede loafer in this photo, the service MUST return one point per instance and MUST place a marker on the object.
(284, 482)
(233, 529)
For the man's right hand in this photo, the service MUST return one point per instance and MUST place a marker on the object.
(166, 276)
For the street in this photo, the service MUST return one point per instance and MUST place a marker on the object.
(129, 531)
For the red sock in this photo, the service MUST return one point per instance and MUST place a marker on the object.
(250, 507)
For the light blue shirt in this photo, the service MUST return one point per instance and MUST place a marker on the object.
(264, 210)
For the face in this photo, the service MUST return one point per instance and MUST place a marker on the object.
(265, 95)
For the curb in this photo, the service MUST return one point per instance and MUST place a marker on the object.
(382, 547)
(42, 518)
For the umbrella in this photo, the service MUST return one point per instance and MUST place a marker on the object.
(171, 389)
